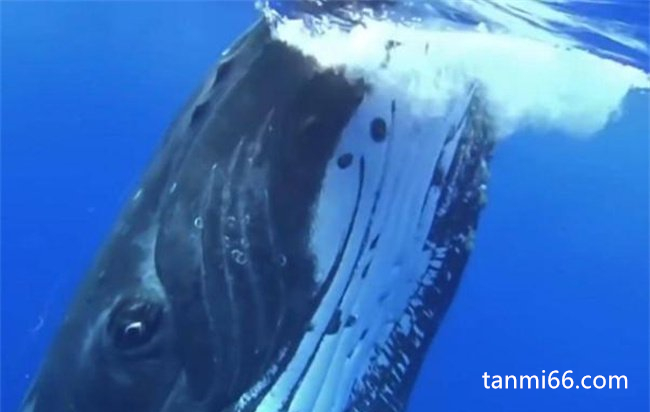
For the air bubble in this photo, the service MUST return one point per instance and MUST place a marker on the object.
(282, 260)
(238, 256)
(198, 223)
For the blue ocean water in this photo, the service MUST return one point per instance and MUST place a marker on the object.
(558, 278)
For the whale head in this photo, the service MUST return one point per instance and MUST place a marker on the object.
(292, 247)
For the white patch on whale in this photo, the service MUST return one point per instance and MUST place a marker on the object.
(401, 168)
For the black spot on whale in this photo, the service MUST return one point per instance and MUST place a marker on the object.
(373, 244)
(335, 323)
(363, 334)
(378, 129)
(344, 161)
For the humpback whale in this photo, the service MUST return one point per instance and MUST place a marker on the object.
(293, 246)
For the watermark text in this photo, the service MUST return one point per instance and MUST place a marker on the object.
(554, 380)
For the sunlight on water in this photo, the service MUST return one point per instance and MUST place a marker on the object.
(533, 69)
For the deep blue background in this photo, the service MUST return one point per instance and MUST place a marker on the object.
(558, 279)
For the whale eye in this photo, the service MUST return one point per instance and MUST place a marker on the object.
(134, 324)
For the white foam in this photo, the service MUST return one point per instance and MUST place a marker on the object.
(530, 77)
